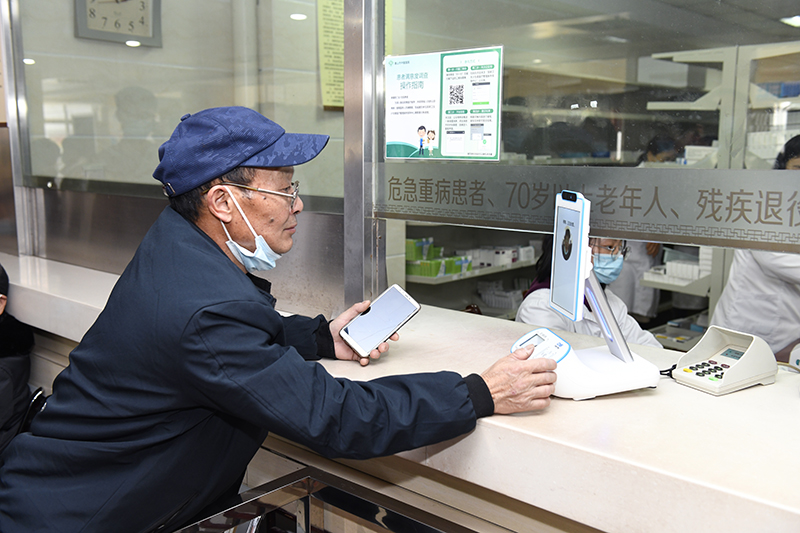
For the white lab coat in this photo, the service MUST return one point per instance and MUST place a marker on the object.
(536, 310)
(762, 297)
(639, 299)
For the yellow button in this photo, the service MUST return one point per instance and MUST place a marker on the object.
(687, 370)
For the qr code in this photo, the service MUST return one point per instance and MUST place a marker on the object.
(456, 94)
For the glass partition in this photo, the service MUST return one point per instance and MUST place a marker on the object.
(595, 84)
(659, 95)
(95, 110)
(666, 114)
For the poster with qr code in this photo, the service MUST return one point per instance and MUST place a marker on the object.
(444, 105)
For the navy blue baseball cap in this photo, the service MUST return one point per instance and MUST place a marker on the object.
(210, 143)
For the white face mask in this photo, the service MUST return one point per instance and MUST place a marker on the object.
(262, 259)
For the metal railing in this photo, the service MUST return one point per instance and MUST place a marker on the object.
(310, 500)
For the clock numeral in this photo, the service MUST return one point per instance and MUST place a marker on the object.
(142, 6)
(92, 13)
(117, 24)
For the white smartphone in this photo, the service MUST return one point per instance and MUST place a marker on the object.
(569, 265)
(387, 314)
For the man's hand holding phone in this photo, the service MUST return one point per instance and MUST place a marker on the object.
(343, 350)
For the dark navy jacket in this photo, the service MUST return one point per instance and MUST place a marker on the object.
(175, 386)
(16, 343)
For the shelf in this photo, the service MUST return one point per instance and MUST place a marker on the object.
(698, 287)
(485, 271)
(681, 346)
(708, 102)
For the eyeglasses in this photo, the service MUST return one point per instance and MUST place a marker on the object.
(292, 195)
(614, 251)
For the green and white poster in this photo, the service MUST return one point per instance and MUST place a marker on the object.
(444, 105)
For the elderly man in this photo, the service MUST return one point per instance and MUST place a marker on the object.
(16, 343)
(189, 366)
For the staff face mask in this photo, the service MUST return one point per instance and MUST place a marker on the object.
(263, 258)
(607, 267)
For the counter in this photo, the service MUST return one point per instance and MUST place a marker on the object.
(664, 459)
(56, 297)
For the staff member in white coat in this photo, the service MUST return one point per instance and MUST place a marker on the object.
(762, 296)
(642, 302)
(607, 260)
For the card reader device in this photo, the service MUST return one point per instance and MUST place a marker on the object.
(547, 344)
(726, 361)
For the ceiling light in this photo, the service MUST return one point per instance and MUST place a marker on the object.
(613, 39)
(298, 16)
(792, 21)
(133, 44)
(28, 61)
(537, 61)
(574, 106)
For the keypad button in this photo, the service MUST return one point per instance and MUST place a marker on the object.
(692, 368)
(723, 365)
(712, 378)
(712, 362)
(687, 370)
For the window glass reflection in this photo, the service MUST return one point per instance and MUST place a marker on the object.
(600, 83)
(95, 112)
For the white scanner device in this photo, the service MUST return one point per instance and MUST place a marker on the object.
(591, 372)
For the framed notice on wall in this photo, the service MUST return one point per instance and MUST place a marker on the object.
(444, 105)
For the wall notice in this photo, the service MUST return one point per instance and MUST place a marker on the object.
(444, 105)
(330, 31)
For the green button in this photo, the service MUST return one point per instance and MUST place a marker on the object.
(713, 379)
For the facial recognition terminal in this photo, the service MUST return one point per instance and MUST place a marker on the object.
(584, 374)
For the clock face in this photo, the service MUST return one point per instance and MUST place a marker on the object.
(129, 17)
(119, 20)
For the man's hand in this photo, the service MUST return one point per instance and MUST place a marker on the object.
(519, 384)
(342, 349)
(652, 248)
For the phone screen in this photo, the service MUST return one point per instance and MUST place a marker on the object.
(564, 281)
(386, 314)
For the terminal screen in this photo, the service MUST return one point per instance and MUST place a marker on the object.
(566, 260)
(732, 353)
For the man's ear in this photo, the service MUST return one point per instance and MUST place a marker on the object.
(218, 202)
(3, 302)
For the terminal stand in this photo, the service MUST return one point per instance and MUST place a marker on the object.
(593, 372)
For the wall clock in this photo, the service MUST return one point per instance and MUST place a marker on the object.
(119, 20)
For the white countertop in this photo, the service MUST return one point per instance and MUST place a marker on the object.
(664, 459)
(56, 297)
